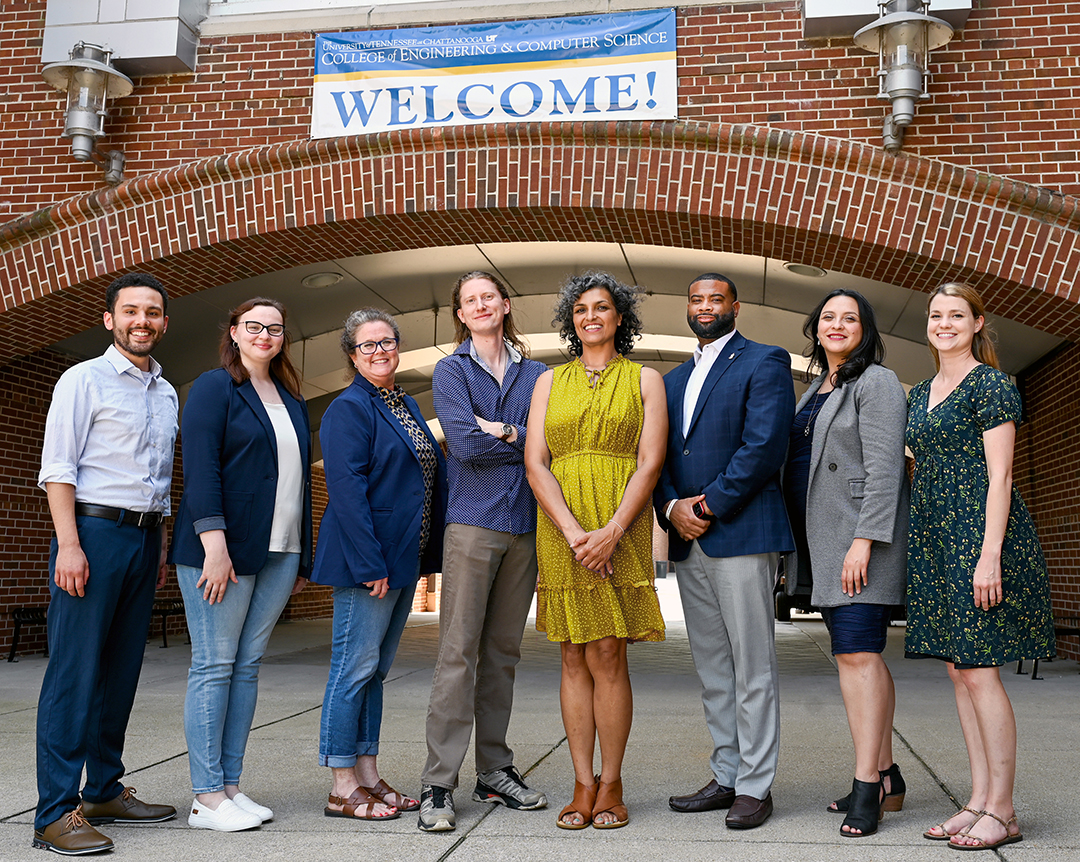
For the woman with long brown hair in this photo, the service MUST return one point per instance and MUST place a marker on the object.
(242, 545)
(978, 591)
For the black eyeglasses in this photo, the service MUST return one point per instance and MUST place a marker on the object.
(369, 347)
(274, 329)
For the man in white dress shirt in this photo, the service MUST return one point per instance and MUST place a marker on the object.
(719, 498)
(106, 467)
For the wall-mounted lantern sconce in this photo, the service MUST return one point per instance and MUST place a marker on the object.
(903, 38)
(89, 80)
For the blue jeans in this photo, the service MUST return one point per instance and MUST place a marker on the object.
(367, 631)
(228, 640)
(96, 645)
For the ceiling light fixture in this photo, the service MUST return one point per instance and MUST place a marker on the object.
(805, 269)
(318, 280)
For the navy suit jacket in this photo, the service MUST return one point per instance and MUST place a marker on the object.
(371, 527)
(734, 450)
(230, 472)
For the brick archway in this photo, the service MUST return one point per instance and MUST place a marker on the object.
(841, 205)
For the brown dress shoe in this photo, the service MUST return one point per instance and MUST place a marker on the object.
(711, 797)
(749, 813)
(125, 808)
(71, 835)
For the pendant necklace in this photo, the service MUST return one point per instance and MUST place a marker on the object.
(814, 410)
(594, 375)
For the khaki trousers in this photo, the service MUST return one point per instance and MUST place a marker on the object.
(488, 583)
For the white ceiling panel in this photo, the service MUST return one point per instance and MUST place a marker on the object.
(543, 267)
(669, 270)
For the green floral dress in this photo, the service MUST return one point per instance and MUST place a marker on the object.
(948, 517)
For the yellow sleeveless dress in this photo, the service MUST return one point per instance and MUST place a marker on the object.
(592, 432)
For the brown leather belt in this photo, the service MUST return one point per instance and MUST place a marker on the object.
(146, 520)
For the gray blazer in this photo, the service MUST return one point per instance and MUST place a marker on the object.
(858, 488)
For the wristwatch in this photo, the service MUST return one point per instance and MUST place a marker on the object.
(507, 430)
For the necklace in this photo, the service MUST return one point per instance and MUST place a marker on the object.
(594, 376)
(815, 408)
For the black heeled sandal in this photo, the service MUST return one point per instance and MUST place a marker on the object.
(894, 797)
(866, 808)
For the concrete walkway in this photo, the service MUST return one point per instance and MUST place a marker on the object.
(668, 753)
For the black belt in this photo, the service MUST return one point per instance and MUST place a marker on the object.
(146, 520)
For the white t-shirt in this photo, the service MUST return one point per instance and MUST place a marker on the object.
(289, 500)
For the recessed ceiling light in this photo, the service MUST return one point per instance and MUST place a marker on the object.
(805, 269)
(321, 279)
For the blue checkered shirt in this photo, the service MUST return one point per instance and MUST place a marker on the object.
(486, 475)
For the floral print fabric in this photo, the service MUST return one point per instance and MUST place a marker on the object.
(948, 517)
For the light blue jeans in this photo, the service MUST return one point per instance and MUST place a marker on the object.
(367, 631)
(228, 640)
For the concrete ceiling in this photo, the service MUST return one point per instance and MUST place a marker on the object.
(416, 285)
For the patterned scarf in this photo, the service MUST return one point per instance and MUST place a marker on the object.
(395, 400)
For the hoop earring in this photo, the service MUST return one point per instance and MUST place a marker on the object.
(235, 346)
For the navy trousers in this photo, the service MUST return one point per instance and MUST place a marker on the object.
(96, 646)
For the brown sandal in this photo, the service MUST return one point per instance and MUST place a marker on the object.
(360, 805)
(1010, 837)
(609, 801)
(947, 836)
(388, 796)
(584, 798)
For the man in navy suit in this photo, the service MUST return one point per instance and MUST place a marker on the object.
(719, 498)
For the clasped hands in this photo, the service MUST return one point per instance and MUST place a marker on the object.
(593, 549)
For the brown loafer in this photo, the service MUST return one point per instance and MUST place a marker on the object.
(711, 797)
(125, 808)
(71, 835)
(749, 813)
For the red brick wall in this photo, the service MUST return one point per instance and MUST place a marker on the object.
(1004, 95)
(1047, 472)
(25, 527)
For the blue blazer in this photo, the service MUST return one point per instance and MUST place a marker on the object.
(230, 472)
(371, 526)
(734, 450)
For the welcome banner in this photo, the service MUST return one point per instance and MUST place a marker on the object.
(595, 67)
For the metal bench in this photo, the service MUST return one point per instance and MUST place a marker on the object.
(28, 617)
(163, 609)
(1064, 627)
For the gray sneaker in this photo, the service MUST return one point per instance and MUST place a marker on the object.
(505, 786)
(436, 809)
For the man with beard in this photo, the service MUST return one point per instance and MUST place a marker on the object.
(106, 467)
(719, 498)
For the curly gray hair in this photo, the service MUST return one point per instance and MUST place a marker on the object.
(626, 298)
(357, 319)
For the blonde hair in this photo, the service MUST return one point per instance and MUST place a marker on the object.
(982, 344)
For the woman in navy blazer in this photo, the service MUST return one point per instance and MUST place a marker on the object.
(382, 529)
(242, 545)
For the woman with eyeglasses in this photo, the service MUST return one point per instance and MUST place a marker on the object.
(241, 544)
(382, 529)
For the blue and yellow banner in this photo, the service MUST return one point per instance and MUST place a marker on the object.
(591, 67)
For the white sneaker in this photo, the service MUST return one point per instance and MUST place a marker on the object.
(250, 805)
(229, 817)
